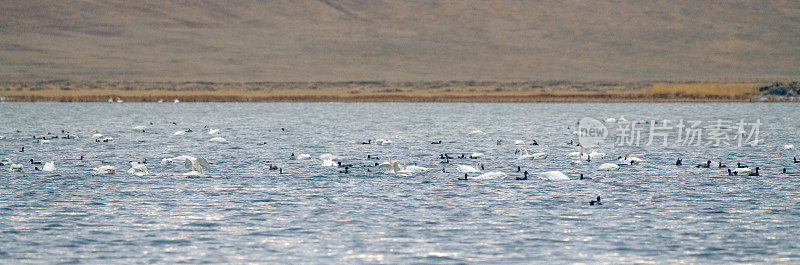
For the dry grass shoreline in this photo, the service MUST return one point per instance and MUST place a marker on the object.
(381, 91)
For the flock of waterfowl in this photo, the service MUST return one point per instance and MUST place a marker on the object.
(198, 166)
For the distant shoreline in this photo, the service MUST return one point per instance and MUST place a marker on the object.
(393, 98)
(381, 91)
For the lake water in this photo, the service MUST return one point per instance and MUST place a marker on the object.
(244, 212)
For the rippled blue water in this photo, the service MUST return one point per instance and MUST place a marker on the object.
(244, 212)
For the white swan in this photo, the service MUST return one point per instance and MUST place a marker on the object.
(44, 141)
(415, 169)
(584, 156)
(198, 166)
(327, 160)
(105, 169)
(179, 133)
(397, 170)
(628, 160)
(610, 120)
(140, 127)
(387, 166)
(490, 175)
(476, 132)
(176, 101)
(5, 161)
(96, 134)
(49, 166)
(788, 147)
(743, 171)
(476, 155)
(329, 163)
(15, 168)
(383, 142)
(303, 157)
(467, 169)
(553, 175)
(608, 167)
(213, 131)
(523, 154)
(597, 155)
(403, 171)
(137, 169)
(178, 159)
(519, 142)
(218, 140)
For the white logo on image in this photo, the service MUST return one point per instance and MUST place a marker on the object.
(591, 133)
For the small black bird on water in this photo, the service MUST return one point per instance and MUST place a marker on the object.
(439, 142)
(678, 163)
(754, 173)
(795, 160)
(518, 169)
(465, 177)
(522, 178)
(597, 202)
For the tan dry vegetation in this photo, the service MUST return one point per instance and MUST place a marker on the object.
(703, 90)
(377, 91)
